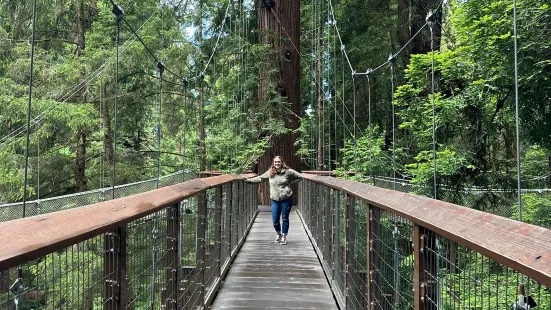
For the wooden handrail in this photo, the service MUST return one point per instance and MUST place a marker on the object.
(26, 239)
(523, 247)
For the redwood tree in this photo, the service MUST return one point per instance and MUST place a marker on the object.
(279, 26)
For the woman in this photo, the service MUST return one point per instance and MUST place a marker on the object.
(281, 194)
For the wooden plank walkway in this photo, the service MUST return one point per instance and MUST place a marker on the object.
(267, 275)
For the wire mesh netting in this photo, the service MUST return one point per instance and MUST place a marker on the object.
(496, 201)
(169, 259)
(369, 256)
(14, 211)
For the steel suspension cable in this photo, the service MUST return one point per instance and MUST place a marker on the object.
(29, 103)
(19, 281)
(343, 101)
(354, 117)
(370, 132)
(392, 64)
(119, 13)
(161, 68)
(431, 22)
(517, 121)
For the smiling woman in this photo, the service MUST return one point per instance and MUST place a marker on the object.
(281, 194)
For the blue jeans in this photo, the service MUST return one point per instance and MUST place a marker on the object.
(282, 209)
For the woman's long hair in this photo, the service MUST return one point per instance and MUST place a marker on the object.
(273, 170)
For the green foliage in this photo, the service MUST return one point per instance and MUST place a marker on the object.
(535, 209)
(67, 269)
(367, 156)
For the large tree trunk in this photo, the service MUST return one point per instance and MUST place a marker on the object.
(419, 11)
(402, 31)
(107, 131)
(288, 79)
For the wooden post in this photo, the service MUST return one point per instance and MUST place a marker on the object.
(373, 269)
(201, 244)
(218, 230)
(368, 239)
(350, 250)
(242, 214)
(346, 251)
(327, 231)
(227, 231)
(336, 234)
(312, 207)
(173, 264)
(335, 226)
(424, 272)
(234, 217)
(114, 270)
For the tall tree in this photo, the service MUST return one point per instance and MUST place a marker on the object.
(284, 38)
(419, 11)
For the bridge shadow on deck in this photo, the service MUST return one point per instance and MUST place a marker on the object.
(267, 275)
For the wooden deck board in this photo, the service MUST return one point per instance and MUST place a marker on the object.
(267, 275)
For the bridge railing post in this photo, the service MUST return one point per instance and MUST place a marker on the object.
(374, 261)
(228, 219)
(172, 258)
(335, 241)
(234, 218)
(327, 229)
(114, 269)
(350, 250)
(200, 250)
(242, 211)
(218, 231)
(425, 268)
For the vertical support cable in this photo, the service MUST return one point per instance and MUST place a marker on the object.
(370, 131)
(119, 15)
(354, 115)
(29, 102)
(161, 68)
(19, 283)
(184, 83)
(335, 92)
(431, 21)
(343, 104)
(38, 167)
(392, 63)
(517, 122)
(396, 267)
(102, 149)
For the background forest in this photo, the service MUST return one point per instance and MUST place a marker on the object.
(187, 99)
(204, 114)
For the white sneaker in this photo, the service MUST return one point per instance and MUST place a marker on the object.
(278, 239)
(283, 240)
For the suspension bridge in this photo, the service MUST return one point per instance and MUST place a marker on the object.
(202, 240)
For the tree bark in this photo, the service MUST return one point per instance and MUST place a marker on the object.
(419, 11)
(288, 79)
(106, 122)
(402, 31)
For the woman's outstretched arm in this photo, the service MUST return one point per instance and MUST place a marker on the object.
(259, 178)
